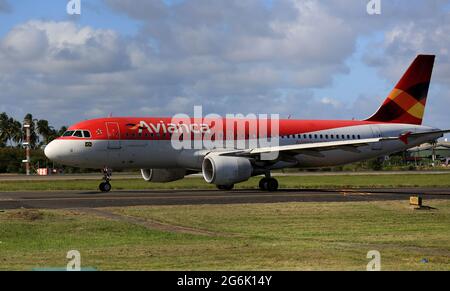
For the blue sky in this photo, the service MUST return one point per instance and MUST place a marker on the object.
(95, 13)
(307, 59)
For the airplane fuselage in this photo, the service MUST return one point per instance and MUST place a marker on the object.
(117, 143)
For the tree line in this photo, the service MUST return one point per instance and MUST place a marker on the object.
(12, 133)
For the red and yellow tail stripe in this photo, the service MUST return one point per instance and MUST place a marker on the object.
(406, 103)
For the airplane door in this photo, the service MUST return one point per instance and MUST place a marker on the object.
(113, 135)
(376, 133)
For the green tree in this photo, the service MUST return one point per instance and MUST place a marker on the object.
(16, 132)
(4, 118)
(62, 130)
(34, 138)
(57, 133)
(45, 130)
(10, 130)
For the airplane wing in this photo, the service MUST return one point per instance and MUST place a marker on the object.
(315, 149)
(430, 132)
(312, 149)
(404, 137)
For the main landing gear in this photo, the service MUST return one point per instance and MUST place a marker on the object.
(105, 186)
(268, 184)
(265, 184)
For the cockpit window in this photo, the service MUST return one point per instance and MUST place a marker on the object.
(78, 133)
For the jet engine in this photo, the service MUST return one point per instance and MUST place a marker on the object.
(163, 175)
(223, 170)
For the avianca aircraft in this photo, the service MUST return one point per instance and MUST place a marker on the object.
(146, 143)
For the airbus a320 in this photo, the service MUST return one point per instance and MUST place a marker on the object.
(146, 143)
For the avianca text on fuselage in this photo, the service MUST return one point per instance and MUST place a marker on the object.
(162, 127)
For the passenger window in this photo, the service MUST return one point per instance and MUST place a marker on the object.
(353, 136)
(359, 137)
(78, 133)
(348, 136)
(332, 136)
(315, 136)
(321, 136)
(343, 136)
(87, 134)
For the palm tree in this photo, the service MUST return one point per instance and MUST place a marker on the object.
(34, 139)
(10, 130)
(45, 130)
(62, 130)
(16, 132)
(57, 133)
(4, 118)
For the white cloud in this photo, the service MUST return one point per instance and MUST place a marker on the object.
(406, 40)
(55, 47)
(25, 44)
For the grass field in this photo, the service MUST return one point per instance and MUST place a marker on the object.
(347, 181)
(285, 236)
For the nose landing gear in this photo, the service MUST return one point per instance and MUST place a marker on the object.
(105, 186)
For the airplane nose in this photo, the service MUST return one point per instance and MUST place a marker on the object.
(51, 150)
(62, 152)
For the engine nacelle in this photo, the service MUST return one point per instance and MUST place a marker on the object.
(163, 175)
(223, 170)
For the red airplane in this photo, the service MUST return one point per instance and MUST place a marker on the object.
(148, 143)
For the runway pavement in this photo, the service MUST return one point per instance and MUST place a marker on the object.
(80, 199)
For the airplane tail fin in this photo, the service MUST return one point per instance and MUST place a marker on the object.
(406, 103)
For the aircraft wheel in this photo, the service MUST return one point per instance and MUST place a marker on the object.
(263, 184)
(272, 185)
(105, 187)
(225, 187)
